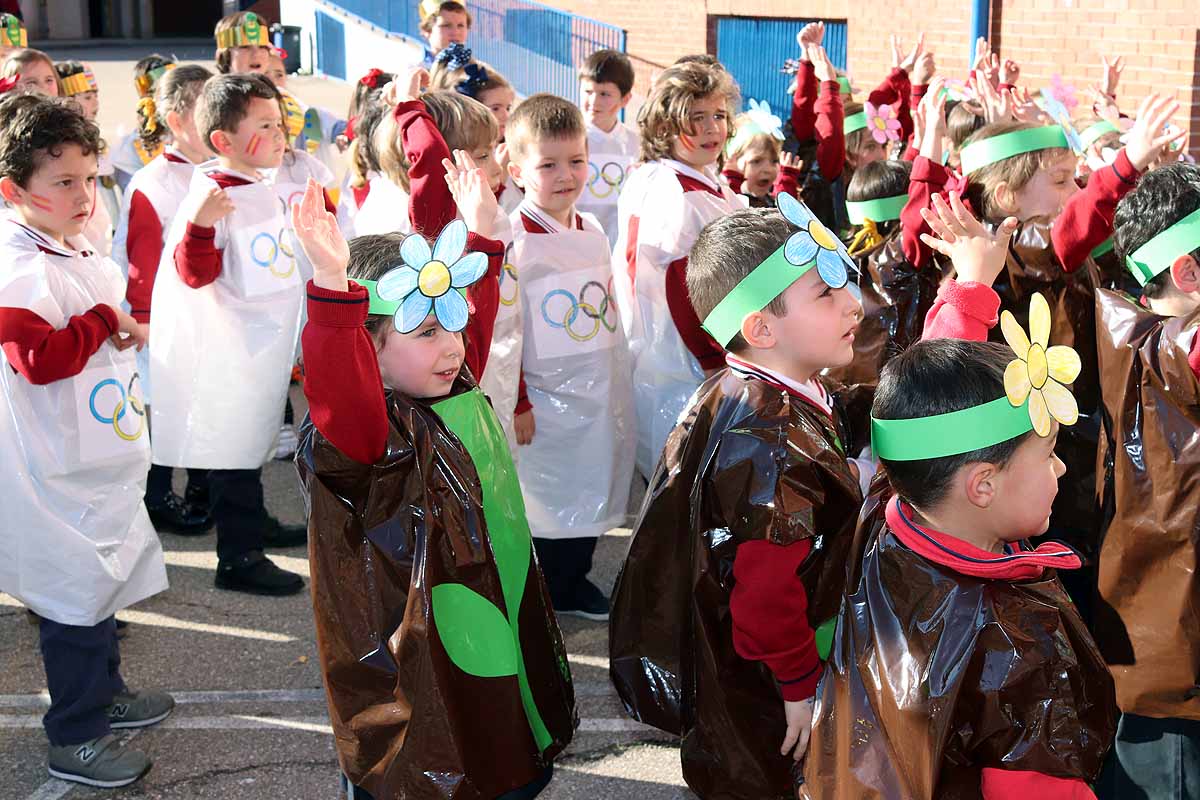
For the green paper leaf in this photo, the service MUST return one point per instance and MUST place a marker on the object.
(475, 634)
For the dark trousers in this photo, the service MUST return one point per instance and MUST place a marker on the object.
(83, 673)
(159, 483)
(238, 510)
(1152, 759)
(566, 564)
(526, 792)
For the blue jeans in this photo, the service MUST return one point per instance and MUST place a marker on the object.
(1152, 759)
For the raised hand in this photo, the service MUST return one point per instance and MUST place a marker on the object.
(321, 239)
(792, 160)
(924, 70)
(822, 67)
(997, 105)
(932, 110)
(1112, 74)
(1010, 72)
(469, 186)
(1150, 135)
(901, 61)
(408, 88)
(977, 253)
(811, 35)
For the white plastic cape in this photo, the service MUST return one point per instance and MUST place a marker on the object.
(611, 156)
(576, 473)
(664, 224)
(77, 542)
(385, 210)
(222, 354)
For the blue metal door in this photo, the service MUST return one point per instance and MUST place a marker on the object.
(331, 46)
(754, 50)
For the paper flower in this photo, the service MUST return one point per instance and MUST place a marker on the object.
(1062, 92)
(762, 117)
(883, 122)
(1039, 372)
(426, 279)
(958, 90)
(814, 241)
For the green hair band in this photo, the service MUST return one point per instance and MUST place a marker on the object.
(950, 434)
(978, 155)
(378, 304)
(855, 122)
(1094, 132)
(883, 209)
(1104, 248)
(1158, 254)
(768, 280)
(844, 84)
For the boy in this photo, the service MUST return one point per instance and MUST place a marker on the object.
(579, 399)
(605, 87)
(443, 24)
(226, 305)
(743, 535)
(73, 443)
(961, 668)
(1149, 365)
(242, 43)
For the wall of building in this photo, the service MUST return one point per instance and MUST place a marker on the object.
(366, 45)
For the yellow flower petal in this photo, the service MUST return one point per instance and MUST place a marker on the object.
(1060, 403)
(1016, 381)
(1013, 334)
(1039, 320)
(1039, 414)
(1063, 363)
(1038, 370)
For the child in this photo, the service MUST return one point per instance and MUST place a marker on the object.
(1149, 363)
(276, 70)
(134, 151)
(684, 127)
(227, 275)
(605, 88)
(78, 545)
(364, 170)
(434, 532)
(12, 34)
(148, 209)
(242, 43)
(756, 168)
(738, 556)
(575, 365)
(34, 70)
(354, 188)
(79, 83)
(443, 24)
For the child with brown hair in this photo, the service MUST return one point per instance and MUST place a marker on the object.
(605, 88)
(243, 44)
(443, 23)
(34, 71)
(756, 167)
(684, 126)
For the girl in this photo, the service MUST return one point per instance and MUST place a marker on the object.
(36, 71)
(141, 146)
(147, 209)
(755, 166)
(400, 436)
(355, 184)
(685, 128)
(79, 83)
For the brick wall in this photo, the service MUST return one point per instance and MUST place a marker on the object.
(1159, 38)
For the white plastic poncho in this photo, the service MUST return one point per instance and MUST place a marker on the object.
(78, 544)
(222, 354)
(611, 156)
(502, 376)
(385, 210)
(575, 475)
(670, 204)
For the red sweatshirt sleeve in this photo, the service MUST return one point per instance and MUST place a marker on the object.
(962, 311)
(523, 403)
(769, 609)
(804, 98)
(831, 138)
(1003, 784)
(143, 250)
(341, 373)
(43, 354)
(787, 182)
(702, 346)
(927, 179)
(1087, 219)
(431, 206)
(197, 259)
(484, 295)
(734, 178)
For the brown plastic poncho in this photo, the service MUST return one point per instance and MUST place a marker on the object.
(1146, 621)
(936, 675)
(445, 671)
(748, 461)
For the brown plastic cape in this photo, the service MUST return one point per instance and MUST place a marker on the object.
(1146, 620)
(445, 671)
(1033, 267)
(747, 461)
(935, 675)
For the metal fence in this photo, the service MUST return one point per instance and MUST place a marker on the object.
(536, 47)
(754, 50)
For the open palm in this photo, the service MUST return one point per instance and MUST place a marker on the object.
(318, 232)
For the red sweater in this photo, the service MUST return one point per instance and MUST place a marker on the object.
(431, 207)
(43, 354)
(897, 91)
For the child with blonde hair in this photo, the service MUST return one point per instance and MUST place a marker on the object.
(756, 167)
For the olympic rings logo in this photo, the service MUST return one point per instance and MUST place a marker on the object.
(127, 401)
(598, 314)
(606, 179)
(508, 274)
(265, 250)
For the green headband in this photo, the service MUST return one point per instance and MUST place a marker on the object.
(1157, 255)
(855, 122)
(844, 84)
(378, 304)
(1091, 134)
(949, 434)
(768, 280)
(997, 148)
(884, 209)
(1104, 248)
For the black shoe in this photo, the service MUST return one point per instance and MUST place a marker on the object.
(276, 534)
(253, 573)
(196, 498)
(587, 602)
(172, 515)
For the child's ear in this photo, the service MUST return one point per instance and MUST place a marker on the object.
(756, 330)
(1185, 272)
(220, 142)
(10, 190)
(1005, 197)
(625, 98)
(514, 171)
(980, 484)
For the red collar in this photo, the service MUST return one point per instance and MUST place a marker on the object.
(175, 158)
(532, 225)
(691, 184)
(967, 559)
(748, 371)
(225, 180)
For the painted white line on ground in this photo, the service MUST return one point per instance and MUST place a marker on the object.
(588, 661)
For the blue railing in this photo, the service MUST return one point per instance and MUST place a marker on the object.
(536, 47)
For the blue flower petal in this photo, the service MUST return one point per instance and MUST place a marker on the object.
(412, 312)
(398, 282)
(451, 242)
(831, 269)
(791, 209)
(414, 250)
(469, 269)
(800, 248)
(452, 312)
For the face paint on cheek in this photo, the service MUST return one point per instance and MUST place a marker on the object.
(688, 142)
(41, 203)
(252, 145)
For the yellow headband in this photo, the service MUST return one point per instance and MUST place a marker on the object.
(145, 83)
(293, 117)
(14, 31)
(79, 83)
(250, 33)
